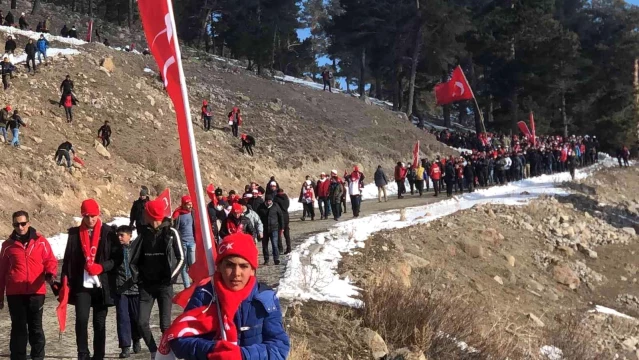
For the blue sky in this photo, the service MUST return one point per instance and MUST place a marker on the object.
(635, 2)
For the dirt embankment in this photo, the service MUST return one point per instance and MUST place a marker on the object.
(521, 277)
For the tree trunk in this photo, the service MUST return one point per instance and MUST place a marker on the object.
(417, 47)
(490, 108)
(273, 48)
(400, 93)
(14, 4)
(564, 117)
(514, 111)
(636, 88)
(378, 87)
(130, 14)
(348, 87)
(36, 7)
(362, 73)
(447, 122)
(91, 8)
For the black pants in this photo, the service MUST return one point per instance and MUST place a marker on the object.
(337, 210)
(460, 185)
(106, 142)
(327, 82)
(26, 324)
(343, 203)
(356, 203)
(401, 188)
(84, 301)
(148, 294)
(449, 188)
(287, 236)
(309, 210)
(419, 184)
(127, 314)
(235, 128)
(69, 113)
(207, 122)
(32, 60)
(436, 187)
(412, 186)
(63, 154)
(249, 148)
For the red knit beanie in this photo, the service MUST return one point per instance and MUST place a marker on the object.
(155, 209)
(238, 244)
(186, 199)
(90, 207)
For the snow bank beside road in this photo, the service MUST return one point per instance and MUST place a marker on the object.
(311, 272)
(36, 35)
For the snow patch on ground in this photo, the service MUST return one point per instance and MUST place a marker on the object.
(604, 310)
(551, 352)
(36, 35)
(312, 270)
(50, 53)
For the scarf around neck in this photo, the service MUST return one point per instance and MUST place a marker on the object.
(90, 243)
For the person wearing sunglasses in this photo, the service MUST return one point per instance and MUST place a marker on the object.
(26, 264)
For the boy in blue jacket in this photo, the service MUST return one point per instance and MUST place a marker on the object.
(256, 331)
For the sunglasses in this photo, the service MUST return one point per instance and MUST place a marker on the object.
(20, 224)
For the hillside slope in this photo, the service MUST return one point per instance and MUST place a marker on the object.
(299, 132)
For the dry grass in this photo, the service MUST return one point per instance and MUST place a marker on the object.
(300, 350)
(575, 340)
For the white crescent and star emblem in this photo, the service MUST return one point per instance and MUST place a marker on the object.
(166, 203)
(459, 85)
(225, 247)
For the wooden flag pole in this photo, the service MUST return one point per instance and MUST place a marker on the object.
(481, 116)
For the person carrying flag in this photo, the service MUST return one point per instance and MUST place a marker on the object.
(91, 261)
(251, 313)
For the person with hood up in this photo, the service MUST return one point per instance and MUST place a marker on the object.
(336, 189)
(253, 320)
(73, 33)
(355, 185)
(156, 262)
(381, 181)
(30, 50)
(104, 133)
(22, 22)
(247, 143)
(184, 223)
(64, 32)
(236, 222)
(235, 120)
(272, 187)
(91, 259)
(207, 114)
(282, 200)
(322, 193)
(42, 45)
(9, 20)
(449, 178)
(27, 263)
(10, 45)
(400, 179)
(136, 215)
(308, 200)
(273, 221)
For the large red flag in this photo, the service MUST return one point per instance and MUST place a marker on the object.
(166, 197)
(416, 155)
(532, 129)
(524, 129)
(160, 30)
(455, 89)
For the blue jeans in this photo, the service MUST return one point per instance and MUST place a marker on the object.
(189, 259)
(3, 131)
(324, 207)
(43, 54)
(15, 141)
(271, 237)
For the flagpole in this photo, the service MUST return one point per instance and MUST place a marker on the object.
(481, 116)
(199, 194)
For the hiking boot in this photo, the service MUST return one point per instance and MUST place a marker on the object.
(136, 347)
(303, 219)
(276, 262)
(265, 263)
(288, 251)
(126, 353)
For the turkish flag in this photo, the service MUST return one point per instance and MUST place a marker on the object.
(166, 197)
(455, 89)
(416, 155)
(524, 129)
(532, 129)
(160, 30)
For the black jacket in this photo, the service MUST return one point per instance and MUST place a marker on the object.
(109, 255)
(23, 23)
(73, 33)
(105, 131)
(9, 19)
(10, 46)
(380, 178)
(66, 86)
(124, 283)
(64, 32)
(231, 222)
(272, 217)
(15, 122)
(283, 202)
(156, 257)
(137, 213)
(30, 50)
(210, 208)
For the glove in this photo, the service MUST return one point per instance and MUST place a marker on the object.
(94, 269)
(225, 350)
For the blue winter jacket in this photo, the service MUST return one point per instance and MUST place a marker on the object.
(258, 321)
(42, 45)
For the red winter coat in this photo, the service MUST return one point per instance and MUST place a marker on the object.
(22, 270)
(323, 188)
(400, 173)
(435, 172)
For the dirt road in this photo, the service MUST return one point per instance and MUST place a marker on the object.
(65, 348)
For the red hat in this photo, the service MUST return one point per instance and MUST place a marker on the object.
(236, 207)
(90, 207)
(204, 102)
(8, 107)
(355, 168)
(238, 244)
(155, 209)
(243, 136)
(186, 199)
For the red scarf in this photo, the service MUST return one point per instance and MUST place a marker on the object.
(203, 320)
(90, 246)
(180, 211)
(355, 176)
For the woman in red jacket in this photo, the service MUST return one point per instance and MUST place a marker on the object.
(26, 263)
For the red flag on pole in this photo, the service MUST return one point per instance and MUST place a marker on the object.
(61, 310)
(166, 197)
(524, 129)
(160, 30)
(416, 155)
(90, 30)
(455, 89)
(532, 129)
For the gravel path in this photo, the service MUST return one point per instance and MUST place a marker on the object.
(65, 347)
